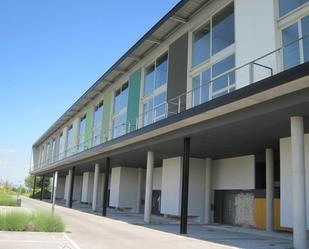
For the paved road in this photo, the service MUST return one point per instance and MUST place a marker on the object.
(93, 232)
(22, 240)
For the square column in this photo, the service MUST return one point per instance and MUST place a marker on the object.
(95, 186)
(149, 182)
(298, 183)
(208, 191)
(139, 189)
(185, 186)
(269, 153)
(106, 182)
(69, 200)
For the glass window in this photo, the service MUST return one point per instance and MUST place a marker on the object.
(286, 6)
(159, 106)
(61, 146)
(223, 29)
(47, 153)
(54, 152)
(201, 88)
(156, 75)
(42, 154)
(291, 56)
(121, 98)
(161, 71)
(119, 125)
(222, 84)
(149, 80)
(201, 45)
(219, 36)
(148, 117)
(69, 149)
(214, 82)
(81, 136)
(97, 124)
(305, 33)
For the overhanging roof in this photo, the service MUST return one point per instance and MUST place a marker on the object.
(173, 20)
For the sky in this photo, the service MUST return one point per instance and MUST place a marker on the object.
(51, 52)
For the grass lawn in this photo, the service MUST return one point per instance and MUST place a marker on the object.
(7, 200)
(36, 222)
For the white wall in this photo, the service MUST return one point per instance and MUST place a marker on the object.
(123, 192)
(171, 186)
(255, 36)
(87, 187)
(286, 199)
(115, 187)
(157, 178)
(60, 188)
(234, 173)
(77, 188)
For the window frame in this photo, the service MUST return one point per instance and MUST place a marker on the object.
(211, 57)
(291, 18)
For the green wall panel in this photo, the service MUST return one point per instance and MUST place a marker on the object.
(88, 129)
(133, 99)
(108, 100)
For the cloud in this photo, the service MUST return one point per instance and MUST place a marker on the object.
(8, 150)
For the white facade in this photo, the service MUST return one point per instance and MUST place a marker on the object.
(87, 187)
(234, 173)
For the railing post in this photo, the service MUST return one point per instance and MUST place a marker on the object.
(179, 104)
(251, 73)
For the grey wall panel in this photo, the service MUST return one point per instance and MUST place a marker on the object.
(177, 71)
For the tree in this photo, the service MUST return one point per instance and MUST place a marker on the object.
(29, 182)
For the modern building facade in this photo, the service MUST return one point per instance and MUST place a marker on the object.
(205, 118)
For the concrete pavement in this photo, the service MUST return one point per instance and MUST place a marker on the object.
(94, 232)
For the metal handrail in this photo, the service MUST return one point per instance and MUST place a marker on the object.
(176, 102)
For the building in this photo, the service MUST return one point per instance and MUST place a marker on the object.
(204, 118)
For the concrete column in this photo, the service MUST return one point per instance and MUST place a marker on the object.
(208, 190)
(298, 183)
(148, 192)
(269, 154)
(95, 186)
(69, 187)
(52, 192)
(139, 190)
(55, 178)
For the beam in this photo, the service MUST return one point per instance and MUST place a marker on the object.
(153, 40)
(185, 186)
(105, 190)
(178, 19)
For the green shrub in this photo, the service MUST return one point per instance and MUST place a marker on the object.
(7, 200)
(38, 222)
(45, 222)
(14, 221)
